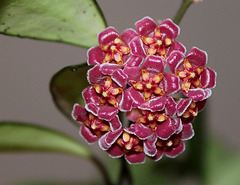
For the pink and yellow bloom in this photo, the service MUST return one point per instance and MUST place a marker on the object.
(114, 48)
(107, 94)
(129, 76)
(155, 147)
(123, 142)
(155, 119)
(93, 127)
(187, 109)
(150, 80)
(196, 79)
(156, 39)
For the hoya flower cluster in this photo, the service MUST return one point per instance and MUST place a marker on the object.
(129, 77)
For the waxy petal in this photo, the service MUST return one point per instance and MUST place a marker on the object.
(108, 69)
(88, 136)
(107, 140)
(133, 73)
(158, 155)
(137, 48)
(115, 123)
(167, 128)
(128, 35)
(95, 76)
(130, 129)
(115, 151)
(175, 61)
(208, 78)
(95, 55)
(113, 136)
(107, 36)
(107, 112)
(201, 105)
(90, 96)
(142, 131)
(182, 105)
(93, 108)
(176, 151)
(126, 102)
(135, 158)
(197, 57)
(176, 46)
(120, 78)
(136, 96)
(171, 83)
(153, 64)
(169, 29)
(170, 107)
(187, 132)
(134, 114)
(198, 94)
(156, 104)
(149, 146)
(179, 124)
(102, 142)
(79, 113)
(133, 61)
(145, 26)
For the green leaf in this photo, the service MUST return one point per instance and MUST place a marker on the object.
(66, 87)
(74, 22)
(20, 137)
(221, 166)
(40, 182)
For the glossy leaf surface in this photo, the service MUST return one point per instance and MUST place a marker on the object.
(74, 22)
(66, 87)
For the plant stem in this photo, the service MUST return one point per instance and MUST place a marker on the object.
(197, 146)
(182, 10)
(102, 170)
(125, 177)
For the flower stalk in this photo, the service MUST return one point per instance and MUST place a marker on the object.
(182, 10)
(125, 176)
(102, 170)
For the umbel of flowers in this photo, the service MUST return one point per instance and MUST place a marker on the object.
(129, 76)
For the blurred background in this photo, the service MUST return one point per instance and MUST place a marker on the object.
(26, 67)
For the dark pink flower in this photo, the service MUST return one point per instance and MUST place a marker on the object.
(187, 109)
(150, 81)
(196, 79)
(156, 40)
(155, 118)
(93, 127)
(123, 142)
(107, 94)
(113, 48)
(159, 123)
(129, 75)
(171, 147)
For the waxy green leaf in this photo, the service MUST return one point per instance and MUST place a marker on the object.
(74, 22)
(21, 137)
(66, 87)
